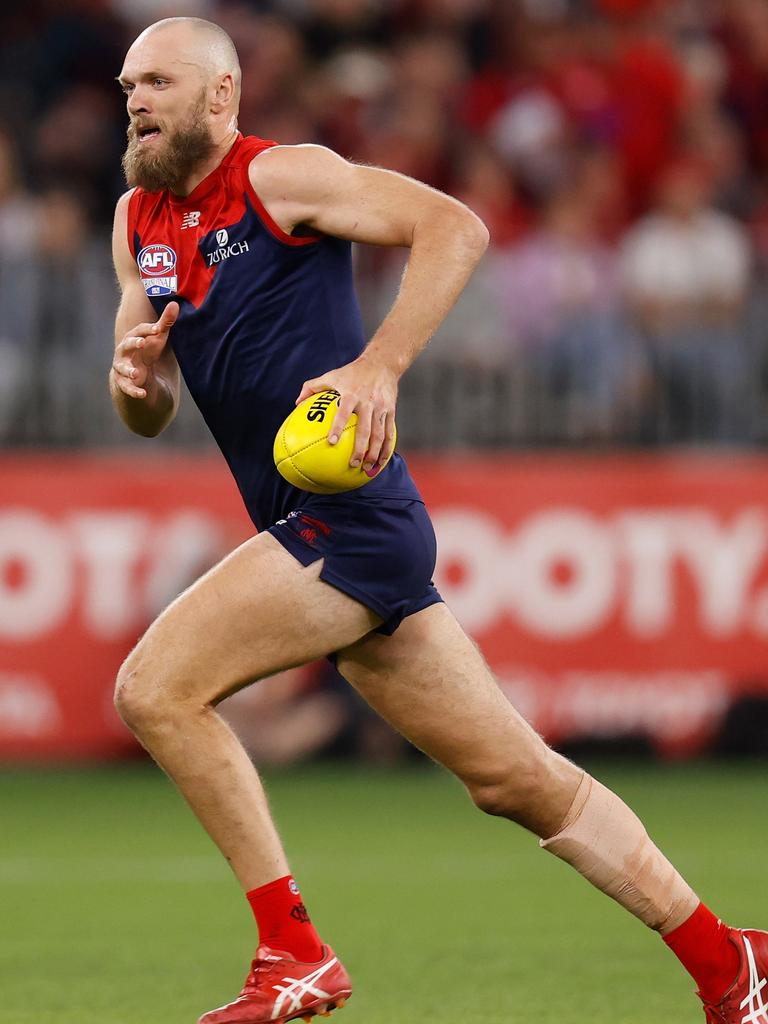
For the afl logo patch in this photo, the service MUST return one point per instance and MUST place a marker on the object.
(156, 260)
(157, 264)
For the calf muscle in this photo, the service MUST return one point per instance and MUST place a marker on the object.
(432, 684)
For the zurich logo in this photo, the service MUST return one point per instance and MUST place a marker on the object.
(156, 260)
(225, 248)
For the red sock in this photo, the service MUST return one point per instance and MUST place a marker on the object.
(283, 920)
(702, 946)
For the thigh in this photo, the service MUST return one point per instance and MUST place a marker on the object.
(431, 683)
(255, 613)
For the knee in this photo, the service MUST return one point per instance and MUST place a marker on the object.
(505, 794)
(492, 798)
(536, 795)
(138, 698)
(528, 789)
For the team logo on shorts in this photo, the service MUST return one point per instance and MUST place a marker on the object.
(157, 264)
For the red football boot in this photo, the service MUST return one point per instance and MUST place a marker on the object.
(746, 1001)
(279, 988)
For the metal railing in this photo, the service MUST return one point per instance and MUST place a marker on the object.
(470, 388)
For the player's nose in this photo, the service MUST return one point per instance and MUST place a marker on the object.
(137, 102)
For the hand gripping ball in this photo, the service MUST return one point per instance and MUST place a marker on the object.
(304, 456)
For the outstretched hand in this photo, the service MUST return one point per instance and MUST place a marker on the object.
(369, 390)
(139, 350)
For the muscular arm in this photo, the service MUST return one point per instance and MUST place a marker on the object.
(310, 185)
(144, 378)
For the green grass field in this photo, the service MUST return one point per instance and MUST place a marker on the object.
(115, 908)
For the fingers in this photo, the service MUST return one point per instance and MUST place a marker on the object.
(362, 434)
(126, 369)
(390, 436)
(373, 403)
(374, 433)
(372, 454)
(311, 387)
(141, 346)
(129, 359)
(168, 317)
(130, 390)
(130, 343)
(162, 325)
(145, 330)
(130, 378)
(127, 385)
(139, 350)
(347, 405)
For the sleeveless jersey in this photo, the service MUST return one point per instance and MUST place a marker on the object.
(261, 311)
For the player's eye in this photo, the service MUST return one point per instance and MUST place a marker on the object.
(127, 89)
(159, 82)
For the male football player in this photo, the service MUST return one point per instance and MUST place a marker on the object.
(233, 256)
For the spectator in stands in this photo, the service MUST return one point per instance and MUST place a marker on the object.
(20, 229)
(412, 129)
(685, 272)
(332, 25)
(709, 132)
(347, 94)
(273, 63)
(19, 215)
(515, 101)
(76, 140)
(70, 266)
(632, 51)
(744, 32)
(560, 296)
(496, 101)
(483, 181)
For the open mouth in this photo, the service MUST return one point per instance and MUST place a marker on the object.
(147, 132)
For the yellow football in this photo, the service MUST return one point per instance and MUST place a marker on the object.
(305, 457)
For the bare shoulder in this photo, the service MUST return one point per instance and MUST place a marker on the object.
(296, 182)
(121, 207)
(121, 253)
(120, 224)
(285, 169)
(314, 187)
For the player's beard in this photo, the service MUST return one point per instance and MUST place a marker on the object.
(180, 152)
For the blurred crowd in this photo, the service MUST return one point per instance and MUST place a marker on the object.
(617, 150)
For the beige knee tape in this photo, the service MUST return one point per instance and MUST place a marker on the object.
(607, 843)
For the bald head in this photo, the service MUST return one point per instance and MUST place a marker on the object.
(181, 78)
(197, 42)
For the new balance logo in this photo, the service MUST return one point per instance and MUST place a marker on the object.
(294, 992)
(754, 1003)
(190, 220)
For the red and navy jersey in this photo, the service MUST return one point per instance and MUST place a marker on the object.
(261, 311)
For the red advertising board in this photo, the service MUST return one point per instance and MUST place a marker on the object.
(611, 595)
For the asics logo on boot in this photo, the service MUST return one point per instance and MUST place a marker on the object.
(758, 1011)
(297, 988)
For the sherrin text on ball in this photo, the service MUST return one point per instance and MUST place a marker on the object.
(305, 457)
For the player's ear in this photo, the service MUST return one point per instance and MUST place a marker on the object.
(224, 92)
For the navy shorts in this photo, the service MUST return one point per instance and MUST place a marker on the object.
(379, 551)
